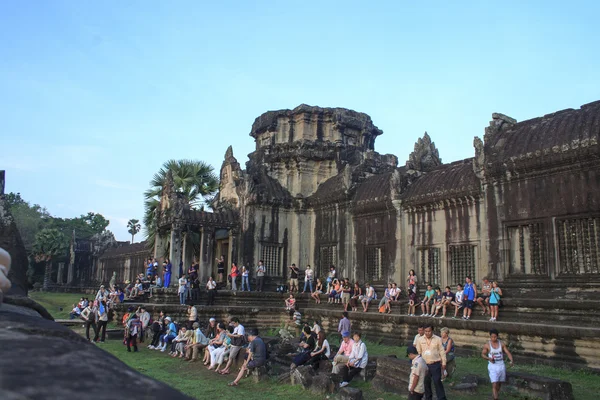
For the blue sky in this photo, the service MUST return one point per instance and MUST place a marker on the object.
(95, 96)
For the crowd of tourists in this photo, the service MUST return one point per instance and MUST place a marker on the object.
(219, 344)
(435, 302)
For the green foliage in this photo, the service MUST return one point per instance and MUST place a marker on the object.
(134, 228)
(29, 218)
(196, 180)
(49, 243)
(96, 222)
(33, 219)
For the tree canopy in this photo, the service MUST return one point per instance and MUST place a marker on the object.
(195, 179)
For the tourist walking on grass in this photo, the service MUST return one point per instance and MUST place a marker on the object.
(495, 295)
(134, 328)
(430, 347)
(90, 316)
(256, 356)
(245, 279)
(494, 351)
(345, 325)
(359, 358)
(317, 293)
(182, 289)
(102, 321)
(469, 296)
(418, 371)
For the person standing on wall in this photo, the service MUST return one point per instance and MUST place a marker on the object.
(308, 279)
(493, 351)
(220, 268)
(469, 296)
(430, 347)
(293, 278)
(167, 267)
(260, 276)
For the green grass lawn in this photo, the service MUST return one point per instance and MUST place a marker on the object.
(196, 381)
(53, 302)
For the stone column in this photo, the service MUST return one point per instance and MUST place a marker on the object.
(188, 251)
(206, 253)
(70, 272)
(175, 253)
(160, 242)
(61, 267)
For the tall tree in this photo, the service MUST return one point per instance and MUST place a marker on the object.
(195, 179)
(96, 221)
(134, 228)
(49, 244)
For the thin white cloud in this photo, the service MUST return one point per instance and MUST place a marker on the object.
(115, 185)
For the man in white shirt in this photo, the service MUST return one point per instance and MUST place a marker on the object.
(458, 302)
(260, 275)
(238, 338)
(418, 371)
(359, 359)
(211, 288)
(420, 333)
(199, 342)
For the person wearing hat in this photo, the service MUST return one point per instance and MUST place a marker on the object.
(343, 355)
(199, 342)
(359, 358)
(418, 371)
(256, 356)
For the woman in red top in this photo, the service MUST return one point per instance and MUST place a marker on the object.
(234, 275)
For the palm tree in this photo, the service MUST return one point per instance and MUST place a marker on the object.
(49, 243)
(134, 227)
(195, 179)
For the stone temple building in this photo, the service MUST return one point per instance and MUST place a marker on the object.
(316, 192)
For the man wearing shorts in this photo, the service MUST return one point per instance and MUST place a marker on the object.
(469, 296)
(256, 357)
(293, 278)
(493, 351)
(346, 294)
(484, 297)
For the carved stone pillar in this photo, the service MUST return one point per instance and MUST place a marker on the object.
(59, 276)
(230, 253)
(175, 253)
(160, 242)
(188, 251)
(206, 253)
(70, 272)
